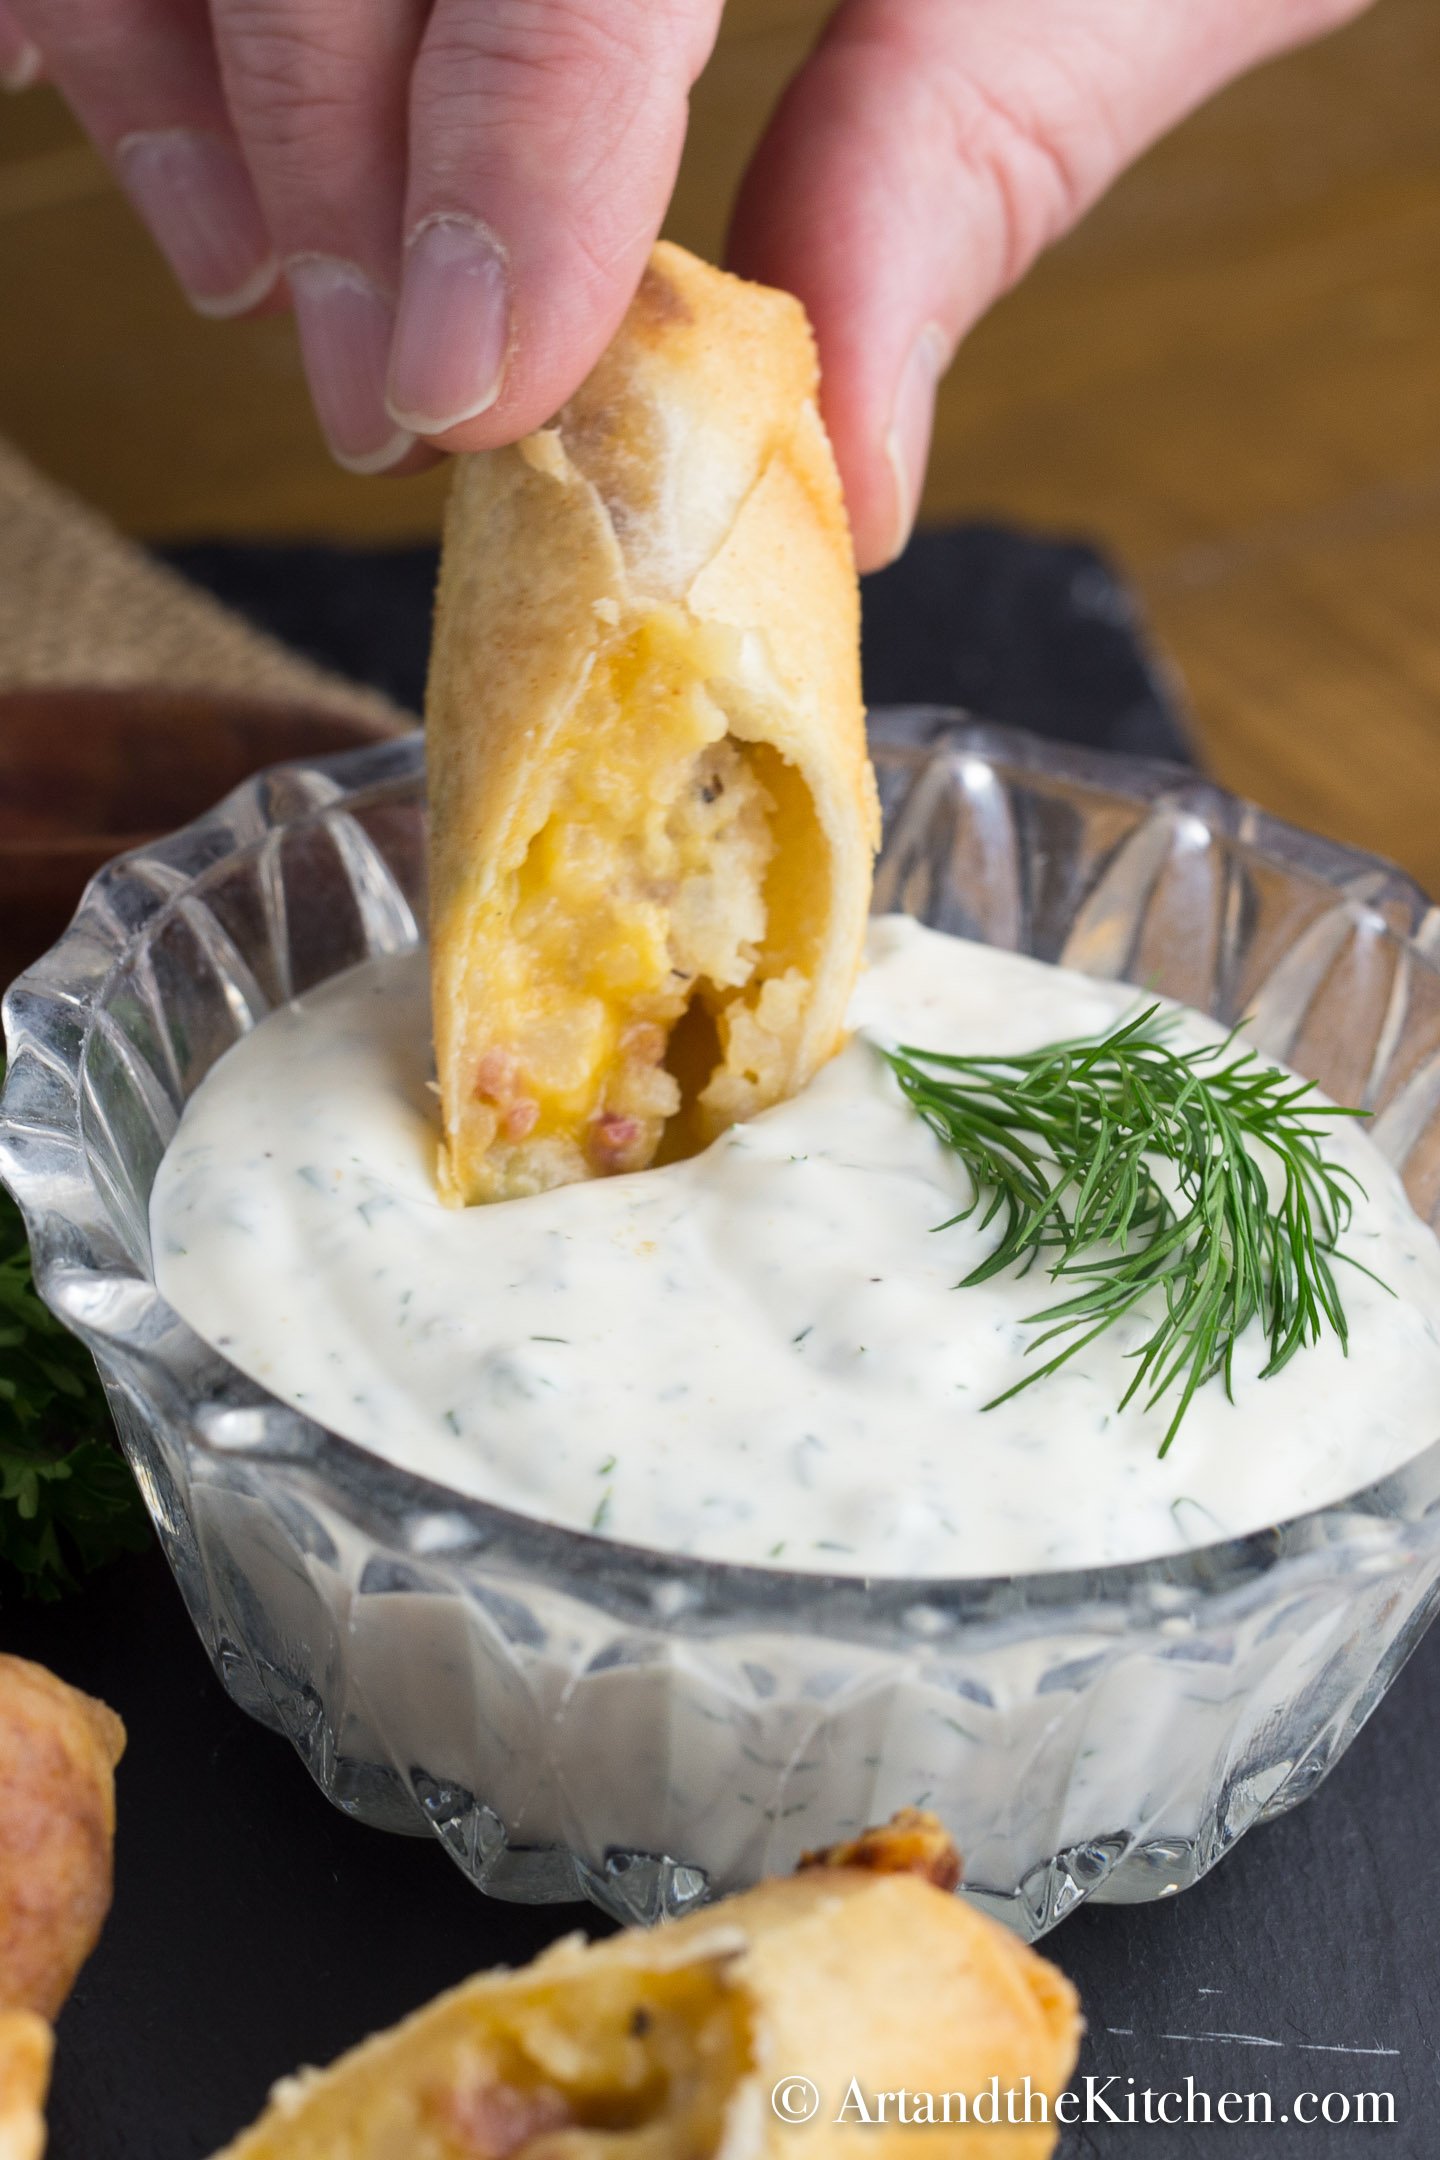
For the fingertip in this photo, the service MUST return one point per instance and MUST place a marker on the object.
(194, 193)
(452, 336)
(808, 221)
(906, 444)
(345, 321)
(21, 66)
(256, 295)
(543, 147)
(485, 433)
(490, 341)
(410, 457)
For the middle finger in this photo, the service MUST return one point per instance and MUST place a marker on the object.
(317, 90)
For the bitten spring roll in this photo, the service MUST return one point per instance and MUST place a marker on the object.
(653, 816)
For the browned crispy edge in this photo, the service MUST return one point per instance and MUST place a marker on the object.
(913, 1842)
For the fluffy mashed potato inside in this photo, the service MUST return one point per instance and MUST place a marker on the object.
(643, 974)
(637, 2064)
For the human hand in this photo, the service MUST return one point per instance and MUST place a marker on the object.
(459, 195)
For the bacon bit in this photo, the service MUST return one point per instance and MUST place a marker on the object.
(611, 1138)
(913, 1842)
(498, 1083)
(521, 1118)
(491, 2122)
(645, 1042)
(496, 1076)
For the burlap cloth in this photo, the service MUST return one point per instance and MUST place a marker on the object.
(79, 604)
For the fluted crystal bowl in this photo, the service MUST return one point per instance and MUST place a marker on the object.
(573, 1716)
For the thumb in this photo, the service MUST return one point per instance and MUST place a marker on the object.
(544, 140)
(21, 63)
(924, 157)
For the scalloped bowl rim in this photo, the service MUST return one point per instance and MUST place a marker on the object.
(1170, 1583)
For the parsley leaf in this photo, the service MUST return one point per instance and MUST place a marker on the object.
(67, 1499)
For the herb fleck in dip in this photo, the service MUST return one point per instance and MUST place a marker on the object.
(759, 1354)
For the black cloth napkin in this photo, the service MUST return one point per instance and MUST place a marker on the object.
(1037, 633)
(256, 1927)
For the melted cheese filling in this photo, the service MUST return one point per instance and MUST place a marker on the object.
(616, 2058)
(648, 892)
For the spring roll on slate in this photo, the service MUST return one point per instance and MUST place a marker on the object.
(653, 817)
(58, 1751)
(668, 2045)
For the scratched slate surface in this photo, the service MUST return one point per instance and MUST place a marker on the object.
(255, 1927)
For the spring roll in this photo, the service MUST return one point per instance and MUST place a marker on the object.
(26, 2045)
(58, 1751)
(669, 2044)
(652, 813)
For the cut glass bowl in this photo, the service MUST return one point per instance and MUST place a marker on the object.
(573, 1716)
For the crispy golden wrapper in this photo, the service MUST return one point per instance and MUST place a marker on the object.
(913, 1842)
(668, 2044)
(58, 1751)
(26, 2044)
(652, 812)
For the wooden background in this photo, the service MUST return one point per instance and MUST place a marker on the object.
(1230, 376)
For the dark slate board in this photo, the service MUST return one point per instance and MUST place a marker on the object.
(255, 1927)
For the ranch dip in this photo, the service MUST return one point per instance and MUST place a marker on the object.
(760, 1354)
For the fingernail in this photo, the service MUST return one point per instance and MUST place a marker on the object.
(194, 193)
(20, 61)
(346, 325)
(912, 416)
(453, 331)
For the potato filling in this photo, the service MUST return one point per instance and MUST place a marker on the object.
(634, 2064)
(644, 894)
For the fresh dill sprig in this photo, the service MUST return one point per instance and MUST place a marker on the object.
(1062, 1147)
(67, 1500)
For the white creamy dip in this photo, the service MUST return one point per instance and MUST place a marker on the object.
(760, 1354)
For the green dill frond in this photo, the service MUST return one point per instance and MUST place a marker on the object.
(1062, 1147)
